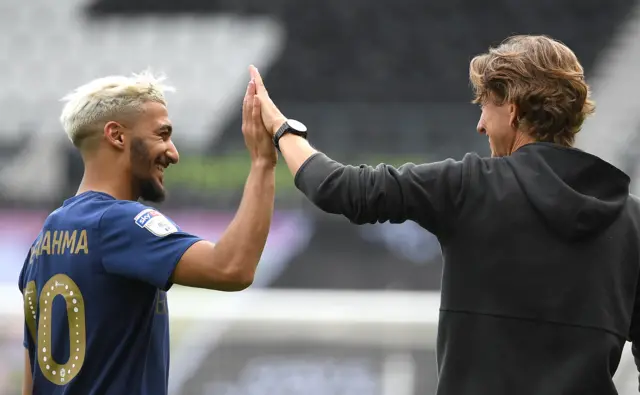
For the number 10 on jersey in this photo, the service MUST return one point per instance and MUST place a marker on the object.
(58, 285)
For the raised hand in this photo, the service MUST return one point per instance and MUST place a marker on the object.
(256, 137)
(271, 115)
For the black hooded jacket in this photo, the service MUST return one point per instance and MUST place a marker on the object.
(541, 261)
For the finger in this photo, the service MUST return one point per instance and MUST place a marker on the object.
(250, 95)
(255, 75)
(246, 112)
(252, 88)
(253, 72)
(257, 112)
(244, 106)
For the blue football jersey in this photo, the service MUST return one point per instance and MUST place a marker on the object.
(94, 285)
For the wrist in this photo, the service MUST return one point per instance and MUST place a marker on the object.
(290, 137)
(263, 164)
(277, 125)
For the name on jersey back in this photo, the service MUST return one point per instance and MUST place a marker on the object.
(61, 242)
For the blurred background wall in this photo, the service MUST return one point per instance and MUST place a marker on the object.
(336, 309)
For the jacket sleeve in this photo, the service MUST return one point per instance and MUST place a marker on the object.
(634, 327)
(429, 194)
(634, 332)
(635, 337)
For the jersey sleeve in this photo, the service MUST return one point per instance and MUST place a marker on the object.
(140, 243)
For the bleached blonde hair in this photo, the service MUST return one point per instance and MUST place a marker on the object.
(89, 107)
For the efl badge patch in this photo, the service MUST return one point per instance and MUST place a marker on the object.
(155, 222)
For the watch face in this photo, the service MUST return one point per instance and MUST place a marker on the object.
(297, 125)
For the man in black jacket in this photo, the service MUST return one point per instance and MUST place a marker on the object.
(540, 241)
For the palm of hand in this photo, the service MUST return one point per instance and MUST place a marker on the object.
(256, 137)
(272, 117)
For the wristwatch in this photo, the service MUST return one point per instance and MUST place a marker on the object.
(289, 126)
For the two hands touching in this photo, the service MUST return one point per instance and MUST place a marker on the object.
(261, 119)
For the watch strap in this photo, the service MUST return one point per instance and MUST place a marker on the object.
(279, 133)
(284, 129)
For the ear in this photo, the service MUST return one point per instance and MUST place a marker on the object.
(113, 133)
(514, 122)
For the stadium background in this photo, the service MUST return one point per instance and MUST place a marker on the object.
(336, 309)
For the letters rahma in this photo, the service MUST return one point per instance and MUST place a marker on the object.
(60, 242)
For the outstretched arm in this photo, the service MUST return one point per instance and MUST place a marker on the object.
(428, 194)
(230, 264)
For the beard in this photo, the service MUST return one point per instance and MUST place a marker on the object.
(149, 189)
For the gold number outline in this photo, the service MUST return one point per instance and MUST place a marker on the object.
(63, 285)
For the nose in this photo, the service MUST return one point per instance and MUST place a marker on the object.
(480, 128)
(172, 153)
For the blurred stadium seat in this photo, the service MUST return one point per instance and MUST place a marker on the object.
(375, 81)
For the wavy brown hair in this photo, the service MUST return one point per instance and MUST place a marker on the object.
(543, 78)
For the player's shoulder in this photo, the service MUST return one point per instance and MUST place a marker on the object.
(128, 209)
(140, 216)
(123, 208)
(85, 210)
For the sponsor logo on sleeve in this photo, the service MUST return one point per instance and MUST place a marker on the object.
(155, 222)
